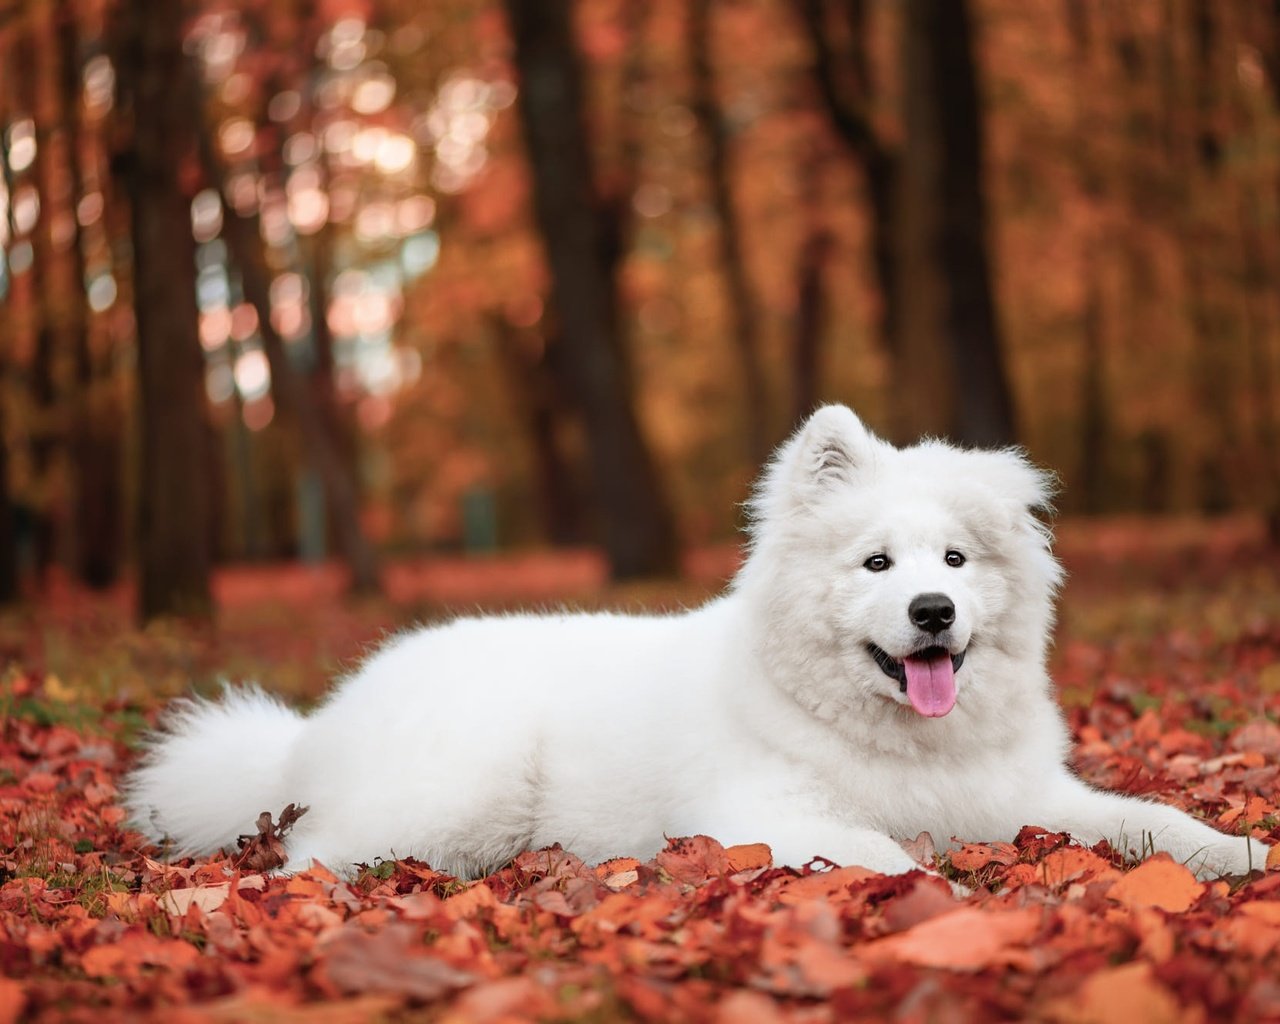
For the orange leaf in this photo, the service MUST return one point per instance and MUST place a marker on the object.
(976, 856)
(205, 897)
(1120, 995)
(13, 999)
(1158, 882)
(1071, 864)
(823, 885)
(748, 856)
(1273, 858)
(125, 957)
(693, 859)
(967, 939)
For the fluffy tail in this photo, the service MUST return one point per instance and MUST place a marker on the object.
(211, 769)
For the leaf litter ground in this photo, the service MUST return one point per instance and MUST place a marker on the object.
(1168, 663)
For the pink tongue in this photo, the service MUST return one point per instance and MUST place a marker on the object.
(931, 685)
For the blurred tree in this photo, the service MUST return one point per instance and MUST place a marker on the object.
(639, 533)
(811, 303)
(309, 400)
(1260, 263)
(525, 358)
(950, 362)
(1094, 429)
(848, 93)
(744, 312)
(321, 447)
(46, 411)
(95, 419)
(8, 344)
(156, 169)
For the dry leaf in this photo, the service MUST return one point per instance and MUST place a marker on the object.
(1159, 882)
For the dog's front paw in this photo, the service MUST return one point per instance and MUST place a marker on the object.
(1228, 857)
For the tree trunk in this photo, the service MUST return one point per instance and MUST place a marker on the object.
(534, 391)
(950, 371)
(744, 311)
(639, 533)
(295, 399)
(1095, 428)
(8, 540)
(95, 416)
(811, 301)
(846, 101)
(174, 488)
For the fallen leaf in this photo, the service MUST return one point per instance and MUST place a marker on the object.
(205, 898)
(265, 851)
(693, 859)
(390, 961)
(966, 939)
(13, 1000)
(976, 856)
(1119, 995)
(748, 857)
(124, 958)
(1161, 882)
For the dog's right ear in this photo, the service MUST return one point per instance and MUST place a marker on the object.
(831, 445)
(824, 454)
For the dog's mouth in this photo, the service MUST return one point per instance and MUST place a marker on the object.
(927, 677)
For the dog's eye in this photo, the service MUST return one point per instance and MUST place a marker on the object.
(877, 563)
(955, 559)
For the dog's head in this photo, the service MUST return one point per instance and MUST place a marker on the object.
(903, 570)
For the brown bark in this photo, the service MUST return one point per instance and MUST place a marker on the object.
(639, 533)
(846, 99)
(950, 370)
(173, 536)
(95, 434)
(811, 299)
(293, 397)
(8, 520)
(534, 390)
(8, 540)
(1095, 429)
(744, 311)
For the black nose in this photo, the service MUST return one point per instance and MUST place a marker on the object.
(932, 612)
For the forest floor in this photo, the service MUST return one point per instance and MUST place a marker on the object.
(1167, 661)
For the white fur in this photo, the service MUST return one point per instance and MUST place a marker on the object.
(759, 717)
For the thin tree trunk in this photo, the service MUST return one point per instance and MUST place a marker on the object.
(295, 399)
(46, 431)
(95, 435)
(965, 392)
(847, 113)
(744, 311)
(8, 541)
(8, 339)
(811, 300)
(1201, 242)
(639, 533)
(1094, 426)
(174, 487)
(533, 386)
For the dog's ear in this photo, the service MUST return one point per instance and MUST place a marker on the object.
(829, 447)
(824, 454)
(1014, 477)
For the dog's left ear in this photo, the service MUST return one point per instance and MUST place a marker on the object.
(1016, 479)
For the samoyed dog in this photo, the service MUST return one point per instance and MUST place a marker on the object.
(875, 670)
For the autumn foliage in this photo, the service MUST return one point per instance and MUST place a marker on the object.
(1168, 665)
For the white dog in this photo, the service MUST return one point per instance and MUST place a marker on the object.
(876, 669)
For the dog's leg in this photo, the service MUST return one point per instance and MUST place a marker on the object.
(1138, 828)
